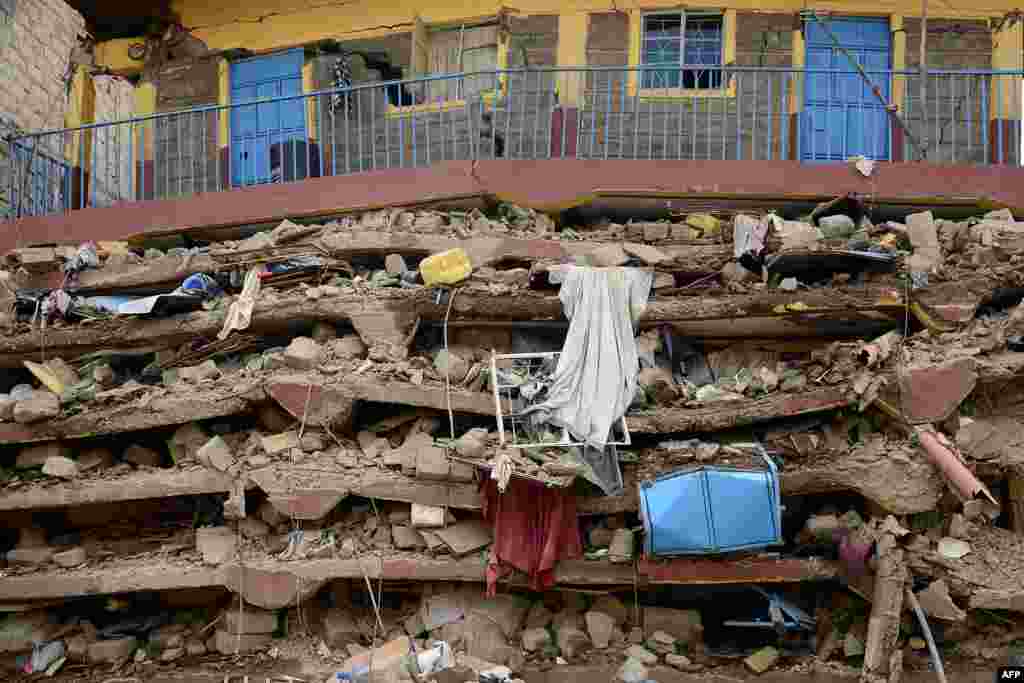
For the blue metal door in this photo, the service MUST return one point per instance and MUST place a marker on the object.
(842, 117)
(261, 134)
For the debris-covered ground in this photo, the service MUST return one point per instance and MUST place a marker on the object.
(494, 443)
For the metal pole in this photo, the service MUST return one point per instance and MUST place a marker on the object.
(923, 65)
(867, 79)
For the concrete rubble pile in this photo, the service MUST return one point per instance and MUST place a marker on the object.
(350, 444)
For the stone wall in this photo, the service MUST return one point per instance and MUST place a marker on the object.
(955, 117)
(36, 41)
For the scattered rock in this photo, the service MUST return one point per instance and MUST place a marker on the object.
(186, 442)
(59, 466)
(216, 453)
(959, 527)
(538, 616)
(762, 660)
(613, 607)
(571, 639)
(302, 354)
(41, 406)
(937, 603)
(104, 376)
(103, 651)
(662, 642)
(734, 272)
(280, 442)
(472, 444)
(600, 537)
(250, 620)
(142, 456)
(230, 643)
(253, 528)
(215, 544)
(395, 264)
(7, 408)
(641, 654)
(534, 639)
(407, 538)
(311, 442)
(646, 253)
(682, 624)
(448, 363)
(36, 456)
(681, 662)
(340, 627)
(70, 558)
(952, 548)
(705, 222)
(198, 373)
(270, 514)
(608, 256)
(600, 627)
(172, 654)
(632, 671)
(349, 346)
(271, 417)
(324, 332)
(30, 555)
(95, 458)
(852, 645)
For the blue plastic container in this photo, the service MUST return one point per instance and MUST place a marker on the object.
(708, 510)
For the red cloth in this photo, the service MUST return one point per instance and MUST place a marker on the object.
(534, 527)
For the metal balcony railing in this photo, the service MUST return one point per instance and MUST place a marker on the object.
(728, 113)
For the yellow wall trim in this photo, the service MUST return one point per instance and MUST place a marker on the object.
(223, 99)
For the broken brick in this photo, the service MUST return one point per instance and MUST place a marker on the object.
(42, 406)
(217, 454)
(249, 620)
(59, 466)
(278, 443)
(216, 544)
(432, 463)
(302, 354)
(142, 456)
(102, 651)
(231, 643)
(608, 255)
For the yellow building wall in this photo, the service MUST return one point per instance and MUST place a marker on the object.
(262, 26)
(268, 25)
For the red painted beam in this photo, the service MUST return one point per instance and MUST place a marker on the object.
(545, 184)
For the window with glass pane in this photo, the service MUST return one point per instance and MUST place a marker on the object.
(683, 43)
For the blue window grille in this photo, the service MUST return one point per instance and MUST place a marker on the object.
(41, 185)
(683, 42)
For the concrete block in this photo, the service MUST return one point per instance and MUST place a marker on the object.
(103, 651)
(216, 544)
(251, 620)
(230, 643)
